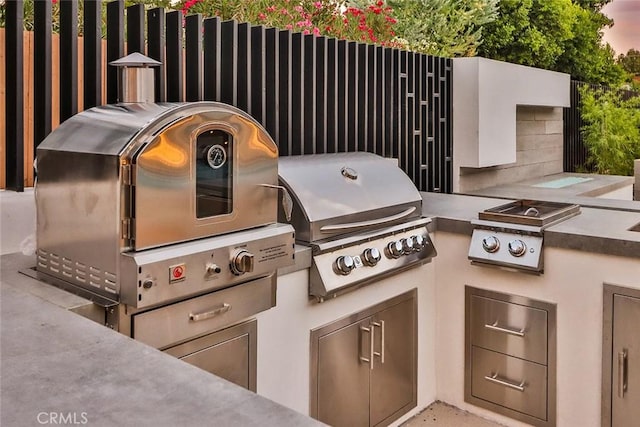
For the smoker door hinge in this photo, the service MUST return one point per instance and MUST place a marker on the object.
(126, 172)
(127, 228)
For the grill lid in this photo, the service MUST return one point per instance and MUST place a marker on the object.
(339, 194)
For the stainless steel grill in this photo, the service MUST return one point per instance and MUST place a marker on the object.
(361, 215)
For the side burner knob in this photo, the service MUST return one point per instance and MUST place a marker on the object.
(371, 256)
(491, 244)
(242, 263)
(517, 247)
(395, 249)
(344, 264)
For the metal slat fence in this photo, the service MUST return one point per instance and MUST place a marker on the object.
(312, 94)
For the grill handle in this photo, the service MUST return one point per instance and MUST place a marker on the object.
(378, 221)
(287, 201)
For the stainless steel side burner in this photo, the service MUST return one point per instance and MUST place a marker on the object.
(511, 235)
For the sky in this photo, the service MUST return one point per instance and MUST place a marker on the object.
(625, 33)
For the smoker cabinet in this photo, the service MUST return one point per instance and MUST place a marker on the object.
(510, 355)
(363, 367)
(229, 353)
(621, 357)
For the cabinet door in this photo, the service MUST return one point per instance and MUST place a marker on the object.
(393, 380)
(343, 377)
(626, 361)
(229, 354)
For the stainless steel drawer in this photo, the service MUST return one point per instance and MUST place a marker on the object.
(511, 382)
(513, 329)
(201, 315)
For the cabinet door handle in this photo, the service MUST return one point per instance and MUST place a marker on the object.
(496, 328)
(368, 360)
(494, 379)
(622, 373)
(380, 354)
(211, 313)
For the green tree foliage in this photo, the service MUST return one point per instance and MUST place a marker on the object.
(447, 28)
(612, 130)
(631, 61)
(559, 35)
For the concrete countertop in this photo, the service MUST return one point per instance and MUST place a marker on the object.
(590, 192)
(55, 363)
(598, 230)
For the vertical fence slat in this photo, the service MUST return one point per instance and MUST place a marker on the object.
(320, 80)
(228, 62)
(92, 53)
(135, 29)
(211, 60)
(115, 46)
(175, 88)
(271, 83)
(41, 71)
(68, 59)
(243, 51)
(257, 74)
(297, 94)
(331, 96)
(308, 141)
(14, 106)
(352, 96)
(361, 98)
(193, 58)
(155, 49)
(342, 96)
(284, 93)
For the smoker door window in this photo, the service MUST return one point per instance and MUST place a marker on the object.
(214, 173)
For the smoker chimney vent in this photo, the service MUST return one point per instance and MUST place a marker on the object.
(136, 79)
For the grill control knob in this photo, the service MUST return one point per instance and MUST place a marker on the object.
(491, 244)
(371, 256)
(395, 249)
(407, 245)
(517, 247)
(419, 242)
(242, 263)
(344, 264)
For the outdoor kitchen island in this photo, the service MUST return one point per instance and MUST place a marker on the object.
(38, 336)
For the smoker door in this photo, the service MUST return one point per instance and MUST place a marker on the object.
(229, 354)
(626, 362)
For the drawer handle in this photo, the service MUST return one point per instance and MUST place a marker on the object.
(209, 314)
(496, 328)
(494, 379)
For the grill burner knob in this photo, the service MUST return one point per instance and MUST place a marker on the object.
(407, 245)
(517, 247)
(344, 264)
(491, 244)
(395, 249)
(371, 256)
(242, 263)
(419, 242)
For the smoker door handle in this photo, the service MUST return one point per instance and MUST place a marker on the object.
(287, 201)
(359, 224)
(211, 313)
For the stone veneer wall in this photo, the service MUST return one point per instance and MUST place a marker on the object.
(539, 151)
